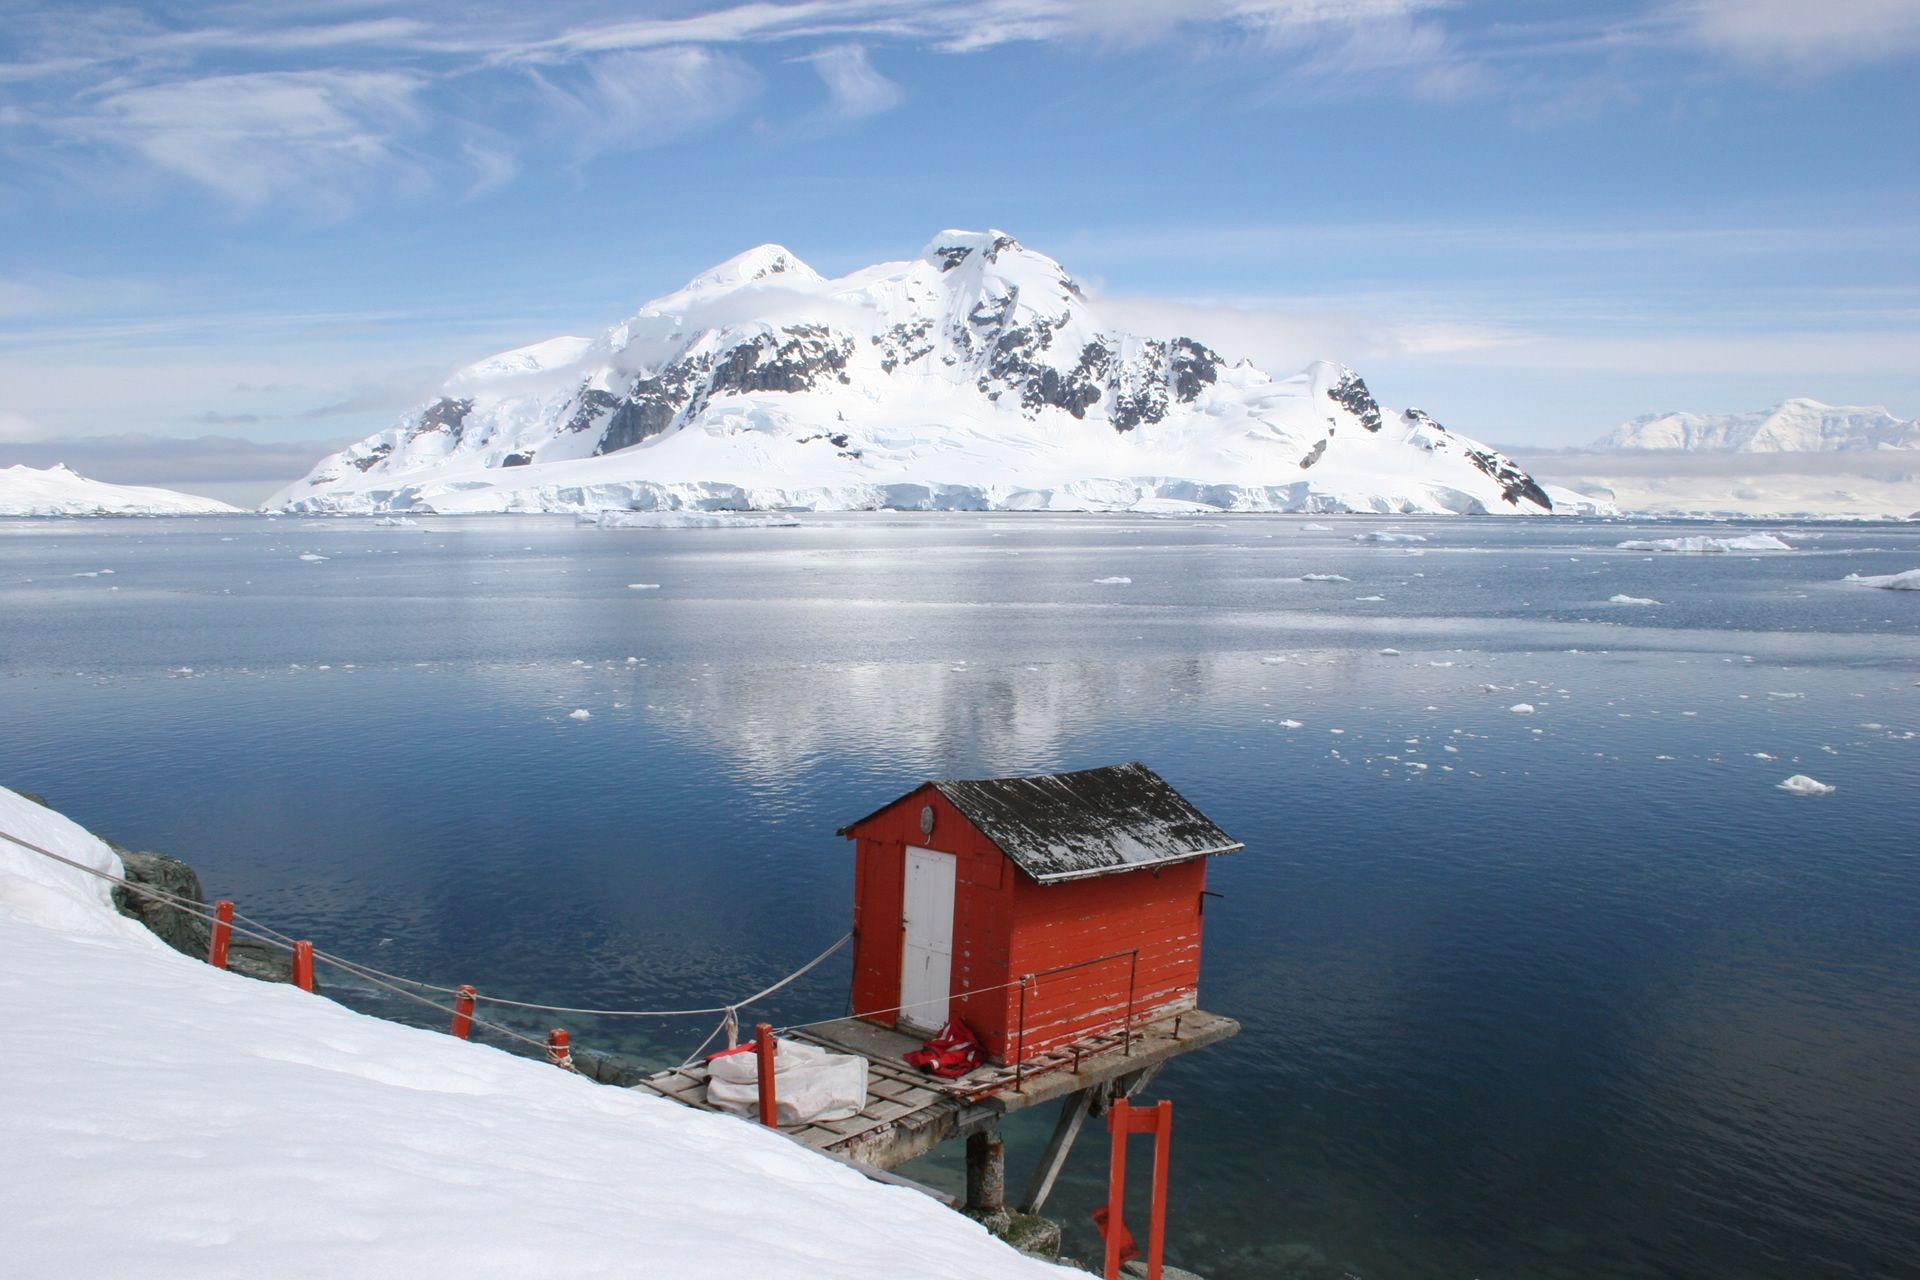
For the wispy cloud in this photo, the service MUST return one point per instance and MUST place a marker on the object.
(855, 89)
(250, 137)
(639, 98)
(1803, 35)
(288, 104)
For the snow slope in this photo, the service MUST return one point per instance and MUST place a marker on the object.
(164, 1120)
(60, 491)
(975, 375)
(1792, 426)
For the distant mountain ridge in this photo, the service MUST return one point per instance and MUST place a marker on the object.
(58, 490)
(976, 375)
(1793, 426)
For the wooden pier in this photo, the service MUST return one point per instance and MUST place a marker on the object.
(908, 1113)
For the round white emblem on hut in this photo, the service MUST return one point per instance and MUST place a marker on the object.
(926, 819)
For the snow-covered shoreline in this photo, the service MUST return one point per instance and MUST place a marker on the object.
(165, 1119)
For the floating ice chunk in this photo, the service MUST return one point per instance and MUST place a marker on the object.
(1389, 653)
(1801, 785)
(1702, 543)
(643, 586)
(1112, 582)
(691, 520)
(1630, 600)
(1379, 535)
(1324, 577)
(1761, 755)
(1784, 697)
(631, 661)
(1440, 664)
(1908, 581)
(1368, 599)
(395, 521)
(310, 557)
(1521, 708)
(1292, 724)
(580, 713)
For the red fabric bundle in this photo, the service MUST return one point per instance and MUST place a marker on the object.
(953, 1052)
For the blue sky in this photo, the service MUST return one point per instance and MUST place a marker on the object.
(287, 223)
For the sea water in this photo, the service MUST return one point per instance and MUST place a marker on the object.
(1562, 993)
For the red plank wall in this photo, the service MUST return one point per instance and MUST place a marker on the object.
(983, 913)
(1006, 925)
(1156, 911)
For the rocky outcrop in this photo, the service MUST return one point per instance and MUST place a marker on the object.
(180, 929)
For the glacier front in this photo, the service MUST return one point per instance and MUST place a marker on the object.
(975, 376)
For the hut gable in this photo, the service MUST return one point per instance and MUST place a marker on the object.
(1062, 826)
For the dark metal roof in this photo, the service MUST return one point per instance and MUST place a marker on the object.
(1061, 826)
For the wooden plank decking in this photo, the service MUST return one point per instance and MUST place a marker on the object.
(909, 1113)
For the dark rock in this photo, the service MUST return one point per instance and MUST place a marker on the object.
(176, 927)
(180, 929)
(610, 1068)
(1193, 366)
(1515, 484)
(650, 407)
(517, 460)
(1031, 1234)
(445, 414)
(375, 456)
(1351, 394)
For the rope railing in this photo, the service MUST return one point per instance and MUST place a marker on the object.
(409, 988)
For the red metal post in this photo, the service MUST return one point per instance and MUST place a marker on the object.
(560, 1049)
(222, 933)
(1133, 981)
(303, 965)
(1162, 1147)
(1020, 1045)
(763, 1051)
(1115, 1231)
(463, 1013)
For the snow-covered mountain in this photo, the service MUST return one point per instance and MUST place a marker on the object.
(976, 375)
(61, 491)
(1792, 426)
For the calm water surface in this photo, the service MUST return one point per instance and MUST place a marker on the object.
(1570, 994)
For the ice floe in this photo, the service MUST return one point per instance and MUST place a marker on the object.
(690, 520)
(1801, 785)
(1630, 600)
(1908, 581)
(1702, 543)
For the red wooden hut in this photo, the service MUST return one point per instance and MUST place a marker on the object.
(1040, 910)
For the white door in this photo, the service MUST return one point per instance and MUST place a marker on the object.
(927, 959)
